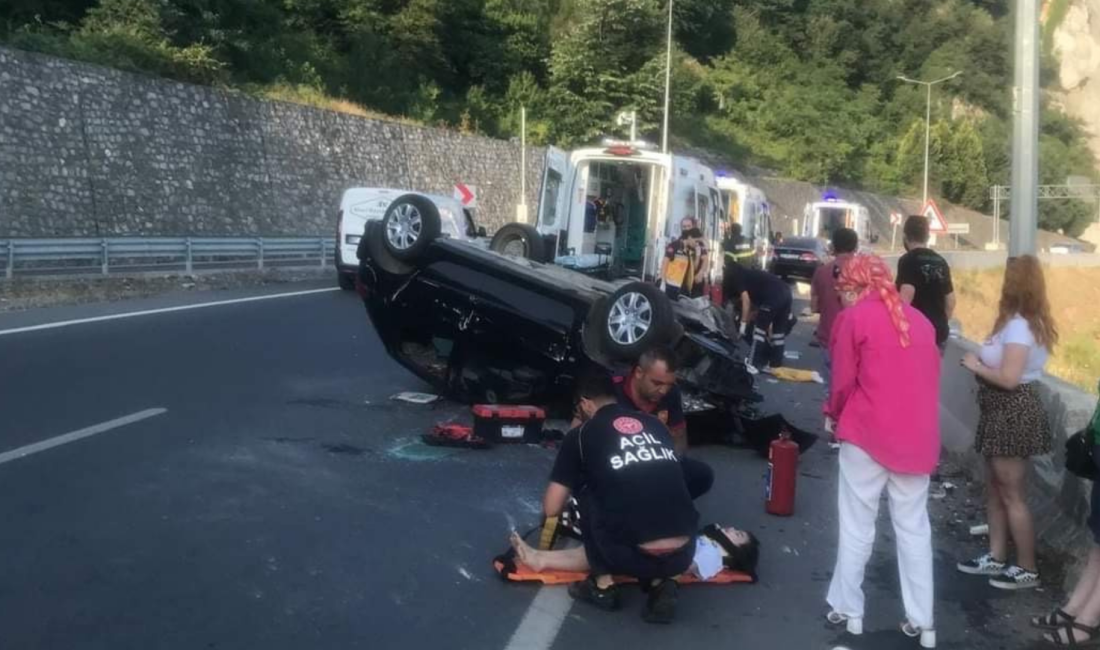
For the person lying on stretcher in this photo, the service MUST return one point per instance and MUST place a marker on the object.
(716, 548)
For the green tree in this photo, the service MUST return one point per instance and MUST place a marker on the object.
(966, 181)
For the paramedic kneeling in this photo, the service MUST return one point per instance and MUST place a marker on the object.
(638, 515)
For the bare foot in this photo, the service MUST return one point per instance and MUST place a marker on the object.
(524, 553)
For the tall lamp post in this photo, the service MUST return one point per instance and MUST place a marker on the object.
(668, 80)
(927, 119)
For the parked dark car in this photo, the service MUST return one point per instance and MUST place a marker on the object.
(481, 326)
(799, 257)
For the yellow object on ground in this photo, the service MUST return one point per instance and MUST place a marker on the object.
(795, 374)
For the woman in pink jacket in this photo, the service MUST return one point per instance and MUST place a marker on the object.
(883, 406)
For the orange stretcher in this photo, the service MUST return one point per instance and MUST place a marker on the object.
(509, 569)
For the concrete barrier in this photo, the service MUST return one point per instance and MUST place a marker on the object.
(1059, 500)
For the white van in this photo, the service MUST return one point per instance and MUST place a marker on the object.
(748, 206)
(362, 204)
(822, 218)
(616, 207)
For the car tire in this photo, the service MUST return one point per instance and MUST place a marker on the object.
(637, 317)
(346, 281)
(519, 240)
(372, 250)
(410, 225)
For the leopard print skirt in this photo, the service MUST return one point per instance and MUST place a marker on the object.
(1013, 422)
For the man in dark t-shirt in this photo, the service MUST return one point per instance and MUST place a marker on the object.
(638, 515)
(651, 388)
(924, 278)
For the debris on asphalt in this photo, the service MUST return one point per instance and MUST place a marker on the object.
(416, 398)
(454, 435)
(792, 355)
(979, 530)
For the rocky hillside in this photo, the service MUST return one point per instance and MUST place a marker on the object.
(1077, 47)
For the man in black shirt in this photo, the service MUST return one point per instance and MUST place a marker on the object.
(651, 388)
(638, 515)
(924, 278)
(771, 297)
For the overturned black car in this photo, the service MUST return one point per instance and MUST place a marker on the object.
(483, 327)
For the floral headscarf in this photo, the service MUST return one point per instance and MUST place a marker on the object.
(863, 274)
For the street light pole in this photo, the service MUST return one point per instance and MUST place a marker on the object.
(668, 80)
(1023, 220)
(927, 119)
(927, 140)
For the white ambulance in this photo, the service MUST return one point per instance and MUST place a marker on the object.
(748, 205)
(822, 218)
(611, 210)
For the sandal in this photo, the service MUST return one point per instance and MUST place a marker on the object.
(1055, 620)
(1069, 640)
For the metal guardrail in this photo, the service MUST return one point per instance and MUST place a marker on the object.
(29, 257)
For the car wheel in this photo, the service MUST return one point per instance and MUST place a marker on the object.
(410, 224)
(635, 318)
(373, 250)
(346, 281)
(519, 240)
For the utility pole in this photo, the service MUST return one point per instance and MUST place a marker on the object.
(522, 210)
(927, 119)
(668, 80)
(1023, 221)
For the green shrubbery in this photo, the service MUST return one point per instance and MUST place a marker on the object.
(805, 87)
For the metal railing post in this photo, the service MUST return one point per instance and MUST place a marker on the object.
(189, 264)
(106, 257)
(260, 245)
(322, 242)
(11, 259)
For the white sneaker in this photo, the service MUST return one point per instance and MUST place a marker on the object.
(853, 624)
(927, 637)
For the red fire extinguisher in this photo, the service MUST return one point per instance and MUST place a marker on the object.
(716, 294)
(782, 472)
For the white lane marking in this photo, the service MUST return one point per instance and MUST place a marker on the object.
(540, 625)
(164, 310)
(57, 441)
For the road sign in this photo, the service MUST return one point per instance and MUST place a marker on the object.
(466, 194)
(936, 222)
(895, 218)
(958, 228)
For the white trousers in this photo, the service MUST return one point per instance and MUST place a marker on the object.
(861, 483)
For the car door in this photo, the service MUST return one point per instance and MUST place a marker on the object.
(554, 193)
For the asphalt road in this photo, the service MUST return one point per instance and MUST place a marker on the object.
(282, 500)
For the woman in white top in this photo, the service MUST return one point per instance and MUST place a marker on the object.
(1013, 425)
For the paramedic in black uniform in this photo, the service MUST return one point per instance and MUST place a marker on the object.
(637, 514)
(650, 387)
(770, 297)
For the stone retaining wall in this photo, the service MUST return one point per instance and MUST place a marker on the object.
(87, 151)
